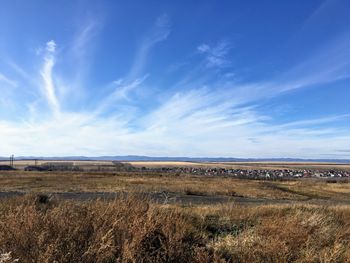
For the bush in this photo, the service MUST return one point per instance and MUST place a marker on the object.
(131, 229)
(125, 230)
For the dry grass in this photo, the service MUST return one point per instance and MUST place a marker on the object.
(303, 189)
(281, 233)
(245, 165)
(127, 230)
(134, 230)
(230, 165)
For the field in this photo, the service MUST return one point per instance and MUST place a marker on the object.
(232, 165)
(136, 230)
(153, 217)
(248, 165)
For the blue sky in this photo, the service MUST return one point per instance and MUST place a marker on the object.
(175, 78)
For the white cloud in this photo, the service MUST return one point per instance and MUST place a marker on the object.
(159, 32)
(191, 121)
(216, 56)
(46, 74)
(8, 81)
(194, 123)
(51, 46)
(121, 92)
(22, 73)
(328, 64)
(203, 48)
(87, 31)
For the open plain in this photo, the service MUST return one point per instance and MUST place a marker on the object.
(163, 180)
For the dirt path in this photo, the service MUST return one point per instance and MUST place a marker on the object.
(178, 198)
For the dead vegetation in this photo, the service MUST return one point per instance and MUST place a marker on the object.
(301, 189)
(127, 230)
(37, 229)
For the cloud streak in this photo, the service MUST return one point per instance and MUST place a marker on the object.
(121, 93)
(216, 56)
(159, 32)
(46, 74)
(188, 124)
(201, 117)
(8, 81)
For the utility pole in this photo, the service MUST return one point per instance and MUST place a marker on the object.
(11, 160)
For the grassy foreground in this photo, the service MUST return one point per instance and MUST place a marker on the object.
(131, 229)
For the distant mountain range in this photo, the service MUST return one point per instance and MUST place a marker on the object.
(181, 159)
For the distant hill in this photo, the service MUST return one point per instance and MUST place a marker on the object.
(182, 159)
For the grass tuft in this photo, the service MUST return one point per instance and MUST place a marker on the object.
(132, 229)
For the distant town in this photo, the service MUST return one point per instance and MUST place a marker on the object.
(117, 166)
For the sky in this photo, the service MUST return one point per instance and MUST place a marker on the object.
(210, 78)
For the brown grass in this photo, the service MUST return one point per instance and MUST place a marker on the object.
(127, 230)
(245, 165)
(133, 230)
(282, 233)
(230, 165)
(302, 189)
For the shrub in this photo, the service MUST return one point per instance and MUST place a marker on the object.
(131, 229)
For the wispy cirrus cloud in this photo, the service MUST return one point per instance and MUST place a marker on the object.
(49, 89)
(8, 81)
(86, 32)
(226, 129)
(216, 56)
(190, 123)
(75, 63)
(201, 116)
(157, 33)
(22, 73)
(120, 93)
(328, 64)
